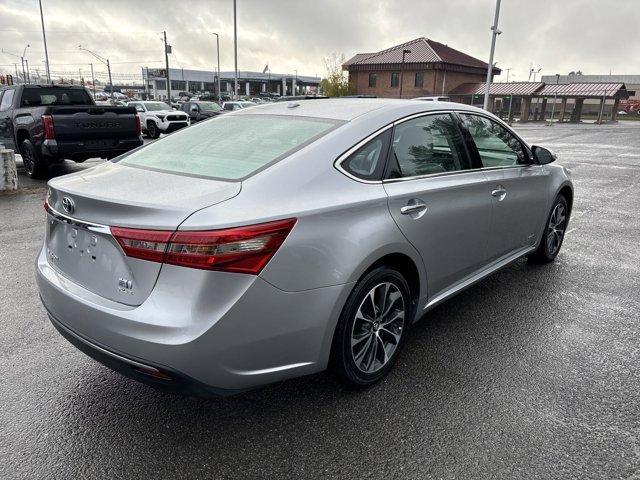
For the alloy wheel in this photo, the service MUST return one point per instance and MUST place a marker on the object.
(378, 327)
(555, 229)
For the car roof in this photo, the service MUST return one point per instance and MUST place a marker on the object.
(347, 109)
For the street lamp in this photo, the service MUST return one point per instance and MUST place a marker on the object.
(104, 61)
(495, 32)
(404, 52)
(218, 49)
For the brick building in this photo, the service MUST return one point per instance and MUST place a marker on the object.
(430, 68)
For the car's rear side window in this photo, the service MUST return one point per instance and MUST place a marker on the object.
(230, 147)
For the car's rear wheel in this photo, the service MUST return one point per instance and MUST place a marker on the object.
(554, 231)
(372, 327)
(34, 164)
(152, 130)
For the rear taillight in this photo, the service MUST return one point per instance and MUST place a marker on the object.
(138, 125)
(241, 249)
(47, 123)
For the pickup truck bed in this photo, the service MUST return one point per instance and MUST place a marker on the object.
(51, 123)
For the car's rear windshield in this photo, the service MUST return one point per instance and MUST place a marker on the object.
(230, 147)
(36, 97)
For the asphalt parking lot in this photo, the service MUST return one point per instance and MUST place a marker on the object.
(533, 373)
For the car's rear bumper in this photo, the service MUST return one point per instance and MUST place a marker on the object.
(226, 332)
(84, 149)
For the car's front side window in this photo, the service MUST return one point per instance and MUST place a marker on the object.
(496, 145)
(427, 145)
(7, 100)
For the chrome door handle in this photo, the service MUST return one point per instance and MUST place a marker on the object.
(413, 208)
(499, 192)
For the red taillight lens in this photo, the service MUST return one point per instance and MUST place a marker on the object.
(47, 123)
(143, 244)
(138, 125)
(242, 249)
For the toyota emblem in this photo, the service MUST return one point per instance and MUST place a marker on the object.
(68, 205)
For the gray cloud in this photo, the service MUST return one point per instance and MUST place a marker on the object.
(592, 35)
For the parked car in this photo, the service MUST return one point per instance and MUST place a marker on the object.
(231, 106)
(49, 123)
(274, 242)
(433, 99)
(201, 110)
(158, 117)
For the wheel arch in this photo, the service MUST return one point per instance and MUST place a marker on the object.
(21, 135)
(567, 192)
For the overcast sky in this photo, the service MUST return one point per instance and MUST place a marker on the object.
(595, 36)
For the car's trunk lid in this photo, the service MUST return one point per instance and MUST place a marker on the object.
(83, 250)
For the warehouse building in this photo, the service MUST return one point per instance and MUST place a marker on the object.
(421, 67)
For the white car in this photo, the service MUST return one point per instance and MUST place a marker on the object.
(158, 117)
(230, 106)
(432, 99)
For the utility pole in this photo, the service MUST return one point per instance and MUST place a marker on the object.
(44, 37)
(494, 35)
(166, 60)
(16, 65)
(555, 98)
(93, 81)
(104, 61)
(28, 76)
(508, 70)
(235, 52)
(404, 52)
(218, 56)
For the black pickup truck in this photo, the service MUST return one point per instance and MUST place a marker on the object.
(49, 123)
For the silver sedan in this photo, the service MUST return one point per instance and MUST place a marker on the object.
(280, 240)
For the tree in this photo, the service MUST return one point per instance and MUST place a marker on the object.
(336, 83)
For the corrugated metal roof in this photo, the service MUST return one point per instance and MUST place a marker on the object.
(498, 89)
(582, 89)
(423, 50)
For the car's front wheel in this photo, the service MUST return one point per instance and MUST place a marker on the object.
(372, 327)
(554, 231)
(152, 130)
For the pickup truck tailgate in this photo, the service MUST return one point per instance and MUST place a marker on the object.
(99, 123)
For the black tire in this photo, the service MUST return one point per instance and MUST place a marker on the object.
(152, 130)
(343, 355)
(34, 164)
(554, 232)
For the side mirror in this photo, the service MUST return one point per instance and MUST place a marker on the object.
(542, 155)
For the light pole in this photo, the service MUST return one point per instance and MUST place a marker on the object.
(26, 62)
(235, 52)
(166, 61)
(404, 52)
(93, 82)
(44, 37)
(218, 55)
(494, 35)
(106, 62)
(555, 98)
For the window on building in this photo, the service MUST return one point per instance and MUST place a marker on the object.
(195, 87)
(419, 79)
(428, 145)
(161, 84)
(210, 87)
(178, 85)
(373, 77)
(395, 79)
